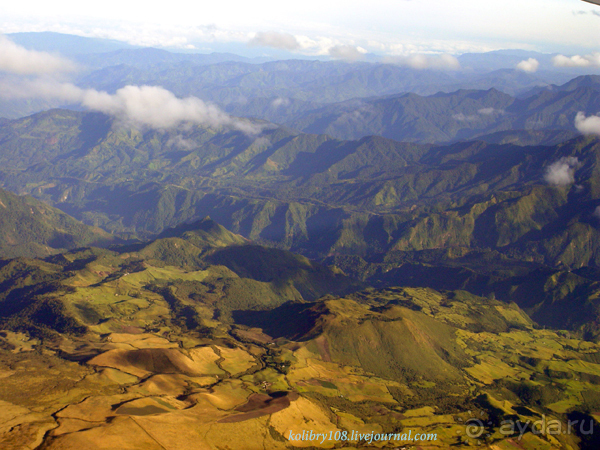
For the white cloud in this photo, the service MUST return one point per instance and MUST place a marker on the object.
(356, 116)
(587, 125)
(157, 34)
(262, 142)
(421, 61)
(438, 26)
(562, 172)
(182, 143)
(348, 52)
(274, 39)
(380, 46)
(592, 60)
(18, 60)
(465, 118)
(486, 111)
(150, 106)
(530, 65)
(158, 108)
(490, 111)
(280, 101)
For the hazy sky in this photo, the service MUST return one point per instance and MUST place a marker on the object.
(393, 27)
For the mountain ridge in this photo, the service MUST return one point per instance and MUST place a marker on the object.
(31, 228)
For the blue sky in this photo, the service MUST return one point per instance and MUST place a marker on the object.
(386, 27)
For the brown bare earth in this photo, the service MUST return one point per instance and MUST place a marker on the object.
(131, 330)
(261, 405)
(148, 360)
(323, 346)
(124, 433)
(142, 411)
(253, 334)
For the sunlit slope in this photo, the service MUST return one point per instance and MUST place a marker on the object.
(148, 362)
(204, 233)
(400, 334)
(31, 228)
(438, 354)
(200, 273)
(553, 297)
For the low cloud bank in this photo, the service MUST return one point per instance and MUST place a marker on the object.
(280, 101)
(461, 117)
(158, 108)
(465, 118)
(274, 39)
(562, 172)
(150, 106)
(18, 60)
(29, 75)
(44, 88)
(420, 61)
(592, 60)
(347, 52)
(490, 111)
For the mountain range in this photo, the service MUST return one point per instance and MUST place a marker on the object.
(460, 115)
(386, 202)
(307, 191)
(236, 83)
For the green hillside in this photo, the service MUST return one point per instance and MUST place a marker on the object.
(31, 228)
(310, 193)
(373, 199)
(201, 270)
(461, 115)
(553, 297)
